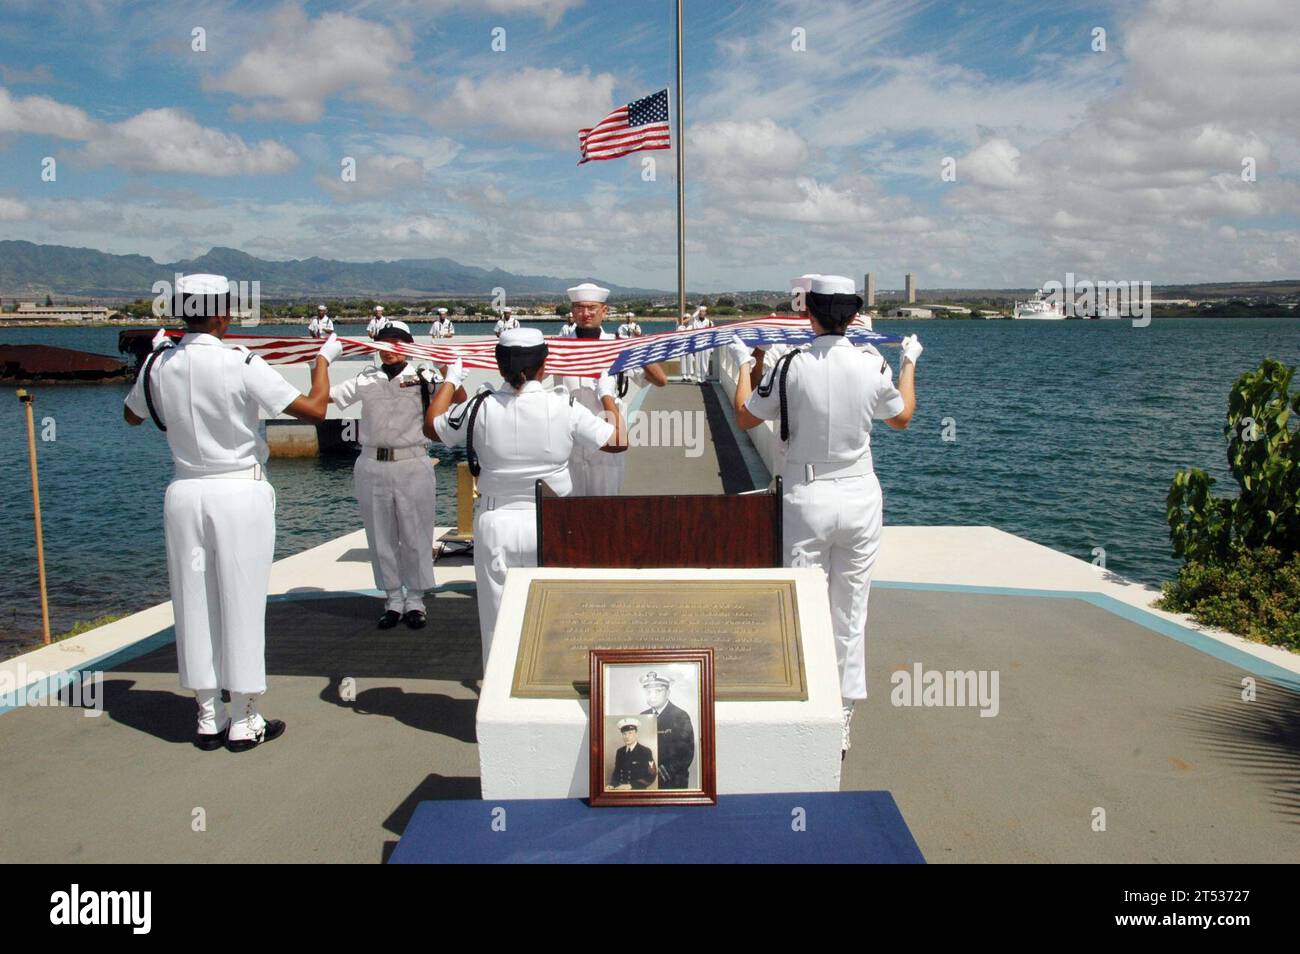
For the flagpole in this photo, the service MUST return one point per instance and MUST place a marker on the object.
(681, 188)
(26, 398)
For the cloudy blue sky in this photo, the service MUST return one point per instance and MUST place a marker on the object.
(1120, 164)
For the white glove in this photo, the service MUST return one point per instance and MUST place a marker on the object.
(607, 386)
(742, 352)
(455, 375)
(331, 349)
(911, 347)
(159, 339)
(429, 374)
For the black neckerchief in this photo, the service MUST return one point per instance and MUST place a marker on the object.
(581, 332)
(393, 370)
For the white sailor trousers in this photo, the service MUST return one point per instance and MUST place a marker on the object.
(688, 367)
(836, 525)
(220, 536)
(504, 536)
(399, 509)
(596, 473)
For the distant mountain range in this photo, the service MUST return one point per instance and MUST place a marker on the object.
(30, 271)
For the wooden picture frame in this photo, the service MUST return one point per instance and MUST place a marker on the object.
(659, 767)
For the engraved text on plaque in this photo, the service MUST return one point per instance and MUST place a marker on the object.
(752, 626)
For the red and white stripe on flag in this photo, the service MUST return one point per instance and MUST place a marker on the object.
(641, 124)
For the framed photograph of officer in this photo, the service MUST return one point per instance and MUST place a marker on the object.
(652, 737)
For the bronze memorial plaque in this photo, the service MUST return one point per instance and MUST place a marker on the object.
(751, 625)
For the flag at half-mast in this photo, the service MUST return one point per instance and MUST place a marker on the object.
(641, 124)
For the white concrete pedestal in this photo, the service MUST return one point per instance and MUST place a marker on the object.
(538, 748)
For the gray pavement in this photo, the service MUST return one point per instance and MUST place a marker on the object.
(721, 468)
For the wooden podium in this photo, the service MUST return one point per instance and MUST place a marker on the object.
(688, 530)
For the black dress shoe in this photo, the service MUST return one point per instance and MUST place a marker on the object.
(415, 619)
(210, 742)
(273, 729)
(390, 619)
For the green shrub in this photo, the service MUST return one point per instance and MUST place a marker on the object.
(1264, 458)
(1242, 554)
(1255, 594)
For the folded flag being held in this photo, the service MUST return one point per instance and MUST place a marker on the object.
(576, 357)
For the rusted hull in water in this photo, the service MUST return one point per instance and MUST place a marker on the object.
(43, 364)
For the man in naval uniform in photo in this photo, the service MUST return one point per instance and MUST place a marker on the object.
(676, 734)
(827, 396)
(596, 474)
(322, 325)
(393, 478)
(377, 321)
(513, 436)
(219, 510)
(634, 763)
(442, 326)
(568, 327)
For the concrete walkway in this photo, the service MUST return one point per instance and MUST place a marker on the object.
(1102, 704)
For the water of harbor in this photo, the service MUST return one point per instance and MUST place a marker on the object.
(1064, 432)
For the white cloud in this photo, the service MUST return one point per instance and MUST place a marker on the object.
(994, 163)
(422, 231)
(168, 140)
(297, 64)
(726, 149)
(156, 140)
(549, 10)
(42, 116)
(11, 210)
(388, 164)
(376, 176)
(1145, 179)
(536, 104)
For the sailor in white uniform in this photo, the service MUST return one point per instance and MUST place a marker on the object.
(515, 435)
(321, 325)
(442, 326)
(596, 474)
(376, 322)
(569, 328)
(687, 361)
(393, 478)
(629, 328)
(701, 320)
(832, 505)
(219, 510)
(507, 322)
(770, 354)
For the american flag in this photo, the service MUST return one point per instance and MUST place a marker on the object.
(569, 357)
(641, 124)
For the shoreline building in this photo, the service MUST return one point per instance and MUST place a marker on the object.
(30, 311)
(909, 284)
(869, 290)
